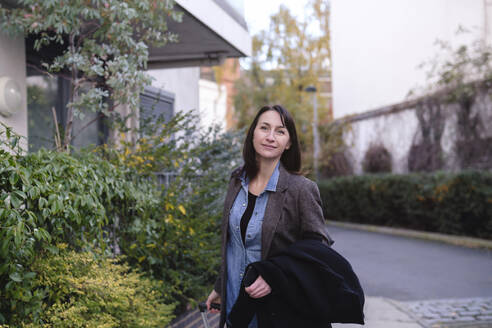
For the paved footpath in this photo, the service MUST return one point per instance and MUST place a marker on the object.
(468, 312)
(443, 313)
(382, 313)
(386, 313)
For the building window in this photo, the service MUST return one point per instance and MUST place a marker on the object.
(44, 92)
(47, 92)
(155, 103)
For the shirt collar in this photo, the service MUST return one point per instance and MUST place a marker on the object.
(272, 182)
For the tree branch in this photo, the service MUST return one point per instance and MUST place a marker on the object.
(83, 35)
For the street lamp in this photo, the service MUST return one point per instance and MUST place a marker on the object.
(312, 89)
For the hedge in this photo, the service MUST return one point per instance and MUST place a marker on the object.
(450, 203)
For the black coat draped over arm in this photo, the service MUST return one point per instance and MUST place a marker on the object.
(312, 286)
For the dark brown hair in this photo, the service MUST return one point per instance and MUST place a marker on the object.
(291, 158)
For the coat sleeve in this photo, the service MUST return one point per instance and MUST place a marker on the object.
(312, 220)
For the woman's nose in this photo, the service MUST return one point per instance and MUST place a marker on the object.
(271, 136)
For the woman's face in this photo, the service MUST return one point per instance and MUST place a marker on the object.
(270, 137)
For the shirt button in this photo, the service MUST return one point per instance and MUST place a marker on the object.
(256, 213)
(240, 275)
(249, 236)
(237, 227)
(244, 204)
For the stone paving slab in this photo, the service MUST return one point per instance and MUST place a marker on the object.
(383, 313)
(451, 313)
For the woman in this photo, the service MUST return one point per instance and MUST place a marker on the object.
(268, 206)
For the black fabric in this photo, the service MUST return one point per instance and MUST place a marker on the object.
(247, 215)
(312, 286)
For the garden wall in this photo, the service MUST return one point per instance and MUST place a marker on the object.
(425, 134)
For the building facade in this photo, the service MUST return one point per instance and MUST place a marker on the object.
(210, 32)
(217, 91)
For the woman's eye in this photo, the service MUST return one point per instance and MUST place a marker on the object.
(282, 132)
(263, 128)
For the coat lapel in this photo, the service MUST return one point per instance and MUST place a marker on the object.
(273, 211)
(232, 191)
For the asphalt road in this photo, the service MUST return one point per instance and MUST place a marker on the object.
(407, 269)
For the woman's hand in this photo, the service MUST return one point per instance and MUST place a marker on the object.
(259, 288)
(214, 297)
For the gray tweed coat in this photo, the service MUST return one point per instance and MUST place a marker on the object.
(294, 210)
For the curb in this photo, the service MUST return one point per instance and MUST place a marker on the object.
(449, 239)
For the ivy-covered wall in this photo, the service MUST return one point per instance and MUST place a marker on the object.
(426, 134)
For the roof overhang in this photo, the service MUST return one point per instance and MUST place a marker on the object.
(211, 31)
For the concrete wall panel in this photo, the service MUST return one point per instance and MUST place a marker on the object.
(13, 65)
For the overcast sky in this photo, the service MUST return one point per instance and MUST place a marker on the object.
(258, 12)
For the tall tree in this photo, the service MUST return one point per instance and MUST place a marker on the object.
(105, 46)
(292, 54)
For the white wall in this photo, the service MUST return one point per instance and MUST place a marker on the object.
(13, 65)
(362, 134)
(378, 44)
(183, 82)
(213, 104)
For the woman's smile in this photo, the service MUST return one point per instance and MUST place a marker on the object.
(269, 146)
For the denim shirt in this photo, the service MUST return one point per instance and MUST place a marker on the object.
(239, 255)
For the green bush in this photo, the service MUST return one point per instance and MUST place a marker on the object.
(110, 200)
(180, 241)
(80, 290)
(452, 203)
(47, 198)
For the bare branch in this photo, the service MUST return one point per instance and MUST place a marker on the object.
(57, 131)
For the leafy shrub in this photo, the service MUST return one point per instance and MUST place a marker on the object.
(377, 160)
(180, 241)
(110, 200)
(82, 291)
(453, 203)
(338, 165)
(48, 197)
